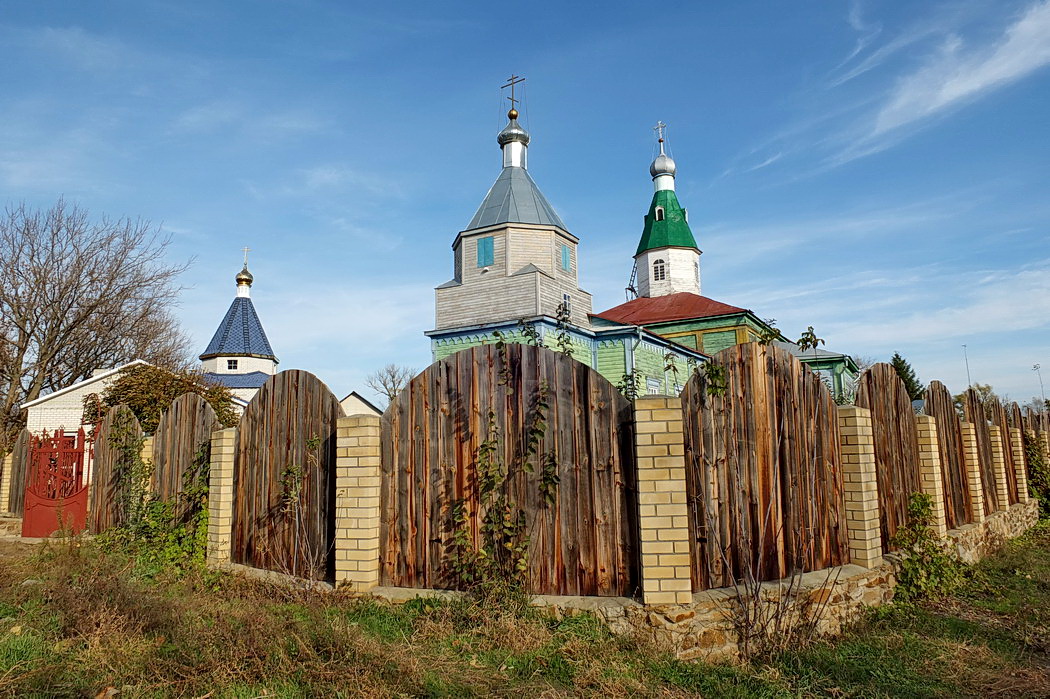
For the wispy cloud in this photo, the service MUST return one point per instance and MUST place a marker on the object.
(940, 65)
(956, 72)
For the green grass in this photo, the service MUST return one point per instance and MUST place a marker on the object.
(94, 623)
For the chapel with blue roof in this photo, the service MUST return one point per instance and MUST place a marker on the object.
(239, 356)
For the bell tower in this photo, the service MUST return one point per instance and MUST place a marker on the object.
(667, 260)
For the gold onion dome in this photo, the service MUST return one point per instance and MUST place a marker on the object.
(513, 131)
(245, 277)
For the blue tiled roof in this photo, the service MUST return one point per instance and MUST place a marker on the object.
(240, 334)
(253, 380)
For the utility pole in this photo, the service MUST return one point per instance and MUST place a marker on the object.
(969, 382)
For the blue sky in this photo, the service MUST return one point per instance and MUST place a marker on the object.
(878, 170)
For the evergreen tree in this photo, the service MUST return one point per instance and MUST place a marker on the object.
(907, 374)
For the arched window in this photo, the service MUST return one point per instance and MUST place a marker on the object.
(659, 271)
(659, 213)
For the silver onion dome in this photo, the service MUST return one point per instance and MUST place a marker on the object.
(513, 131)
(663, 165)
(245, 277)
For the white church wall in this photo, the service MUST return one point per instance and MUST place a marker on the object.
(245, 365)
(681, 270)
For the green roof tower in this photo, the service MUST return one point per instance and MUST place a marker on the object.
(667, 260)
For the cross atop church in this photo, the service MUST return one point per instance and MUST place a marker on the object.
(659, 129)
(511, 82)
(246, 250)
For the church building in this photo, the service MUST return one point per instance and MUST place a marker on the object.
(239, 355)
(666, 285)
(515, 272)
(515, 275)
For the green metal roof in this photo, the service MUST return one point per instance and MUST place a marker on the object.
(672, 231)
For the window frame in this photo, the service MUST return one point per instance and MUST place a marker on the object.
(231, 365)
(659, 270)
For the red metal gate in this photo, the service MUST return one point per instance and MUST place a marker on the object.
(56, 491)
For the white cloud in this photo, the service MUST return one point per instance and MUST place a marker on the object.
(956, 73)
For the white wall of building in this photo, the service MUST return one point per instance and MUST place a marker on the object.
(245, 365)
(681, 272)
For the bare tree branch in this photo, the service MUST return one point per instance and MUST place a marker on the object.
(77, 295)
(390, 380)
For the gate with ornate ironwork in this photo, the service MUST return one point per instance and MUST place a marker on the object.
(56, 491)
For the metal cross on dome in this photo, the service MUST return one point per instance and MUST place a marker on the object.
(659, 129)
(511, 82)
(246, 250)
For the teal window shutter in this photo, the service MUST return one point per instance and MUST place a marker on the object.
(566, 258)
(486, 254)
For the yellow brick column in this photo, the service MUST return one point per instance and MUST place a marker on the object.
(358, 478)
(999, 466)
(857, 447)
(220, 495)
(973, 471)
(662, 513)
(930, 477)
(1017, 447)
(5, 481)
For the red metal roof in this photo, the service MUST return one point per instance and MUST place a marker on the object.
(645, 311)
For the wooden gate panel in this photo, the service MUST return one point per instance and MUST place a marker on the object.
(582, 543)
(958, 506)
(895, 435)
(182, 448)
(977, 415)
(763, 473)
(118, 440)
(284, 478)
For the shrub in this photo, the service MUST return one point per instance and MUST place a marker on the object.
(928, 567)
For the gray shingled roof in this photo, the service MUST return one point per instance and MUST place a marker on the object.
(240, 334)
(515, 198)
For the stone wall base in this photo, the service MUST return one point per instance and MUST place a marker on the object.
(975, 541)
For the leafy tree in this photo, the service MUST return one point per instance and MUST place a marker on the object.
(149, 390)
(984, 391)
(907, 375)
(769, 334)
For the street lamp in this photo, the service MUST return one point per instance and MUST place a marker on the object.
(1035, 368)
(967, 358)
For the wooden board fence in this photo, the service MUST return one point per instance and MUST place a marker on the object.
(182, 448)
(284, 478)
(19, 474)
(939, 404)
(978, 417)
(1001, 418)
(118, 441)
(763, 473)
(896, 445)
(582, 539)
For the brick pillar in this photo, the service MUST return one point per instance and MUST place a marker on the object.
(662, 513)
(220, 495)
(999, 466)
(358, 478)
(1017, 447)
(5, 482)
(973, 471)
(857, 447)
(930, 477)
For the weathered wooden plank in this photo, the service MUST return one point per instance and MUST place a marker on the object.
(582, 543)
(284, 478)
(895, 435)
(182, 448)
(20, 473)
(977, 414)
(940, 405)
(762, 470)
(118, 440)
